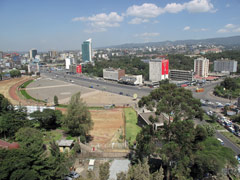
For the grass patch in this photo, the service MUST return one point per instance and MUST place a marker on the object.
(206, 117)
(24, 85)
(27, 96)
(217, 126)
(132, 129)
(52, 135)
(232, 137)
(69, 137)
(62, 106)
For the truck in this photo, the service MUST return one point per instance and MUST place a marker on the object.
(198, 90)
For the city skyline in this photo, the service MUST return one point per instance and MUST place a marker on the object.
(61, 25)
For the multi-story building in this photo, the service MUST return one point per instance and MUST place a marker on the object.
(158, 69)
(113, 74)
(1, 54)
(67, 63)
(53, 54)
(32, 53)
(225, 65)
(201, 67)
(87, 51)
(181, 75)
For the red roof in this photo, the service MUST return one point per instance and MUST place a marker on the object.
(7, 145)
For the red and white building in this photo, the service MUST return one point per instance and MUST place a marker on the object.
(158, 69)
(79, 69)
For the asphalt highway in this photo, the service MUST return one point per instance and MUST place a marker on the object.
(100, 84)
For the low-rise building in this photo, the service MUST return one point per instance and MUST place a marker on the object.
(131, 79)
(113, 74)
(181, 75)
(144, 119)
(65, 145)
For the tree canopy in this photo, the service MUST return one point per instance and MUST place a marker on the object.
(182, 147)
(48, 119)
(78, 119)
(229, 88)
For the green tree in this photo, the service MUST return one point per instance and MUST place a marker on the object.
(55, 99)
(58, 163)
(15, 73)
(11, 121)
(5, 105)
(48, 118)
(30, 139)
(139, 171)
(104, 171)
(15, 164)
(78, 119)
(27, 162)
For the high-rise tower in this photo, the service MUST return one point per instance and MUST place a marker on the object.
(87, 51)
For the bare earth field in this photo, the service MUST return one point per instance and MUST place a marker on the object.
(108, 125)
(9, 88)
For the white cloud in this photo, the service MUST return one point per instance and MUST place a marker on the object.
(146, 10)
(186, 28)
(236, 30)
(100, 22)
(223, 31)
(227, 5)
(173, 8)
(149, 10)
(198, 6)
(138, 21)
(146, 34)
(203, 29)
(230, 26)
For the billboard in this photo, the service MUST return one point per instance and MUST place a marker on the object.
(165, 66)
(79, 69)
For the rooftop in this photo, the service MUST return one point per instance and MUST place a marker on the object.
(65, 143)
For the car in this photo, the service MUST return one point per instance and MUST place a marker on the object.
(238, 158)
(121, 93)
(73, 174)
(221, 141)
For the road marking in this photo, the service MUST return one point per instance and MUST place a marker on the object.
(51, 86)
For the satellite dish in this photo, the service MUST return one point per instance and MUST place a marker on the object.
(135, 96)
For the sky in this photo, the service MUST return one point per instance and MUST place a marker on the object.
(65, 24)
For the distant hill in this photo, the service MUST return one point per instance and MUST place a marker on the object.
(224, 41)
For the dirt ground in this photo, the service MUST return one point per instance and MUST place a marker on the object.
(108, 126)
(8, 88)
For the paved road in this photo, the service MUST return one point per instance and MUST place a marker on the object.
(109, 86)
(207, 94)
(114, 87)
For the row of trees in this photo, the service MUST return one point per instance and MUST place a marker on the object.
(229, 88)
(131, 65)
